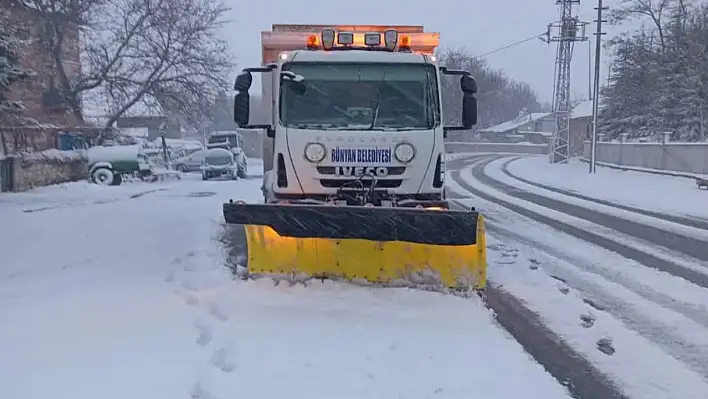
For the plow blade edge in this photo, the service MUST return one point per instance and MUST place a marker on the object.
(375, 244)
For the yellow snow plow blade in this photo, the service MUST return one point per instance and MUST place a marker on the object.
(397, 246)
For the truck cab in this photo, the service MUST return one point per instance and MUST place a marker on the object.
(355, 118)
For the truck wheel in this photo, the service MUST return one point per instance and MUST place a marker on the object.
(103, 176)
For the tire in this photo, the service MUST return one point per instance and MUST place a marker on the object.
(182, 168)
(242, 172)
(103, 176)
(205, 176)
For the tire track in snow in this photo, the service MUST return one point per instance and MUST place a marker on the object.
(582, 379)
(685, 221)
(610, 222)
(688, 245)
(665, 336)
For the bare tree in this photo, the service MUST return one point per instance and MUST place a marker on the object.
(500, 98)
(653, 10)
(163, 54)
(174, 61)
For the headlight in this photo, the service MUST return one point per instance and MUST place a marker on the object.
(404, 152)
(315, 152)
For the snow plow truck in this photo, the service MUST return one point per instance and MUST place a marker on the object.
(354, 160)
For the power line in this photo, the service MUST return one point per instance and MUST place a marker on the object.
(508, 46)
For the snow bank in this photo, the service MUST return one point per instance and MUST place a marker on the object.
(663, 172)
(53, 155)
(655, 192)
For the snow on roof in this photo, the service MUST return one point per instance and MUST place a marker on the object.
(516, 123)
(582, 110)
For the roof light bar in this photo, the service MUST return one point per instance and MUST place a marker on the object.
(404, 43)
(390, 39)
(312, 42)
(328, 36)
(345, 38)
(372, 39)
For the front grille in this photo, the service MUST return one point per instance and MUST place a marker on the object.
(392, 170)
(337, 183)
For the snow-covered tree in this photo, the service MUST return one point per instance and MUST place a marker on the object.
(659, 80)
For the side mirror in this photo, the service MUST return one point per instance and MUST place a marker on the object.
(242, 110)
(243, 81)
(468, 84)
(469, 110)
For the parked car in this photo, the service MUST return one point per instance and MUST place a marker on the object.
(108, 165)
(191, 162)
(222, 162)
(225, 139)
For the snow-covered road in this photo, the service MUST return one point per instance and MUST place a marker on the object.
(118, 292)
(625, 288)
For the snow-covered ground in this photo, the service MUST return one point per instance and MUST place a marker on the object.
(656, 323)
(661, 193)
(118, 292)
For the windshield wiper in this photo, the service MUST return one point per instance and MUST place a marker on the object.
(376, 108)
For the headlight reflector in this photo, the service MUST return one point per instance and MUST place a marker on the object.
(315, 152)
(404, 152)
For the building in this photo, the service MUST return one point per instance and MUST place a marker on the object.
(41, 93)
(580, 126)
(534, 127)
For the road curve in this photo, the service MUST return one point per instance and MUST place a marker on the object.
(581, 378)
(683, 220)
(687, 245)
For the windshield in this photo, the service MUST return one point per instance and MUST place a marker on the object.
(343, 96)
(218, 158)
(232, 140)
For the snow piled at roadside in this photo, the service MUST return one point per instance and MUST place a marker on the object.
(659, 193)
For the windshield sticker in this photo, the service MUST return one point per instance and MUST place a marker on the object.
(363, 155)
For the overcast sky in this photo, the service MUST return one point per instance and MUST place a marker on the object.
(478, 26)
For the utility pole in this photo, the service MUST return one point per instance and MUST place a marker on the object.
(596, 95)
(565, 32)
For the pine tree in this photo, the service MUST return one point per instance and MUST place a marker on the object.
(660, 75)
